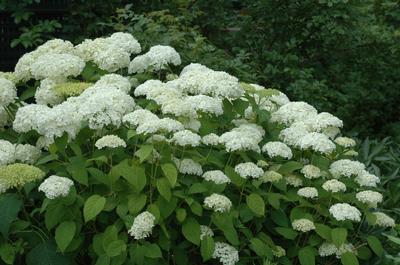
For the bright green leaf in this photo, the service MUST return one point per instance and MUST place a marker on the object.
(339, 236)
(191, 230)
(64, 234)
(256, 204)
(307, 256)
(144, 152)
(170, 172)
(207, 247)
(349, 258)
(93, 206)
(375, 245)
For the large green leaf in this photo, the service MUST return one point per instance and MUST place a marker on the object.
(164, 188)
(286, 232)
(324, 231)
(64, 234)
(259, 247)
(191, 230)
(170, 172)
(93, 206)
(256, 204)
(307, 256)
(152, 251)
(46, 254)
(207, 248)
(349, 258)
(289, 167)
(339, 236)
(10, 206)
(144, 152)
(375, 245)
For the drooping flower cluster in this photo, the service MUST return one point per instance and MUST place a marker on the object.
(142, 225)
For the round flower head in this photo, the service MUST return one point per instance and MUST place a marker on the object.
(366, 179)
(55, 186)
(311, 172)
(7, 152)
(249, 170)
(186, 138)
(271, 176)
(345, 142)
(292, 112)
(346, 247)
(293, 134)
(205, 231)
(384, 220)
(117, 81)
(125, 41)
(210, 139)
(110, 141)
(308, 192)
(8, 93)
(318, 142)
(274, 149)
(327, 249)
(142, 225)
(57, 66)
(225, 253)
(157, 58)
(293, 180)
(369, 197)
(344, 211)
(219, 203)
(17, 175)
(216, 176)
(46, 95)
(27, 153)
(279, 252)
(334, 185)
(188, 166)
(346, 168)
(303, 225)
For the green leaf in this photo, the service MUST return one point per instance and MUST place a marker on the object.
(324, 231)
(224, 222)
(181, 214)
(375, 245)
(288, 233)
(259, 247)
(7, 253)
(170, 172)
(10, 206)
(163, 188)
(349, 258)
(64, 234)
(115, 248)
(191, 230)
(307, 256)
(152, 251)
(289, 167)
(144, 152)
(339, 236)
(46, 254)
(207, 248)
(394, 239)
(78, 170)
(93, 206)
(256, 204)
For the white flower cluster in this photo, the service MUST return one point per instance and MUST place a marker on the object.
(329, 249)
(344, 211)
(25, 153)
(45, 94)
(345, 142)
(186, 138)
(303, 225)
(244, 137)
(28, 62)
(205, 231)
(308, 192)
(98, 106)
(366, 179)
(369, 197)
(55, 187)
(149, 123)
(188, 166)
(197, 79)
(384, 220)
(219, 203)
(225, 253)
(346, 168)
(216, 176)
(156, 59)
(311, 172)
(142, 225)
(334, 185)
(249, 170)
(110, 141)
(210, 139)
(274, 149)
(8, 92)
(115, 80)
(271, 176)
(111, 53)
(56, 66)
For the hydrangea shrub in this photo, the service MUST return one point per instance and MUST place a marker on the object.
(110, 157)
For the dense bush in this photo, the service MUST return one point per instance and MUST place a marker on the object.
(109, 159)
(341, 56)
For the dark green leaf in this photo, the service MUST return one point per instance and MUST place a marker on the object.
(256, 204)
(191, 230)
(170, 172)
(10, 206)
(349, 258)
(46, 254)
(307, 256)
(207, 247)
(93, 206)
(64, 234)
(375, 245)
